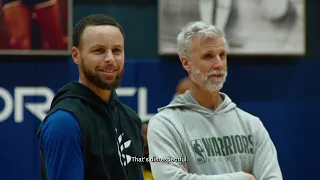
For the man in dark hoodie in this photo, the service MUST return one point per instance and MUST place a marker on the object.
(88, 133)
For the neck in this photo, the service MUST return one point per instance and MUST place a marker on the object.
(103, 94)
(205, 98)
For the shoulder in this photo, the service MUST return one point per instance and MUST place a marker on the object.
(60, 118)
(69, 104)
(167, 119)
(247, 115)
(132, 113)
(169, 115)
(165, 129)
(60, 125)
(253, 121)
(129, 110)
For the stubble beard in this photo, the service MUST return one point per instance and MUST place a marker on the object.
(98, 81)
(202, 79)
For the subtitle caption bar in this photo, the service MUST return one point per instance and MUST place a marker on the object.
(155, 159)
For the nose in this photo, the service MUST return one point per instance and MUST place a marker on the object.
(217, 63)
(109, 58)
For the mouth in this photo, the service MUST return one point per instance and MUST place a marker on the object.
(217, 75)
(109, 71)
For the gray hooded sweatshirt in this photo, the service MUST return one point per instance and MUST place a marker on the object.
(190, 142)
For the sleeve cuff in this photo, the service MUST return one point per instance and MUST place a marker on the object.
(239, 176)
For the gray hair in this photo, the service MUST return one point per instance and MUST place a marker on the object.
(192, 29)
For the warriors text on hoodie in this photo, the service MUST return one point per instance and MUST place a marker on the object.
(205, 144)
(84, 137)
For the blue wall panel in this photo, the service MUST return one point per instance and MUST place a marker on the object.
(286, 98)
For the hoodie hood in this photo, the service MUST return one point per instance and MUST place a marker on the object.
(187, 101)
(82, 92)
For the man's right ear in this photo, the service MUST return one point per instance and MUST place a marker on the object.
(75, 53)
(185, 63)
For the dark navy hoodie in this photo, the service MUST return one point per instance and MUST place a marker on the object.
(81, 131)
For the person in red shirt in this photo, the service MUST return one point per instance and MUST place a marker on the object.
(18, 21)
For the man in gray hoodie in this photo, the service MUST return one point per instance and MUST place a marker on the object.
(202, 134)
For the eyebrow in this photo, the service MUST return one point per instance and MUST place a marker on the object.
(101, 45)
(220, 50)
(118, 46)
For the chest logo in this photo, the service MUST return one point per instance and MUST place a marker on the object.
(125, 159)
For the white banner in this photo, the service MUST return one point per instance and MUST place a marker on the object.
(252, 27)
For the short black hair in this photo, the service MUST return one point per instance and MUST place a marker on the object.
(92, 20)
